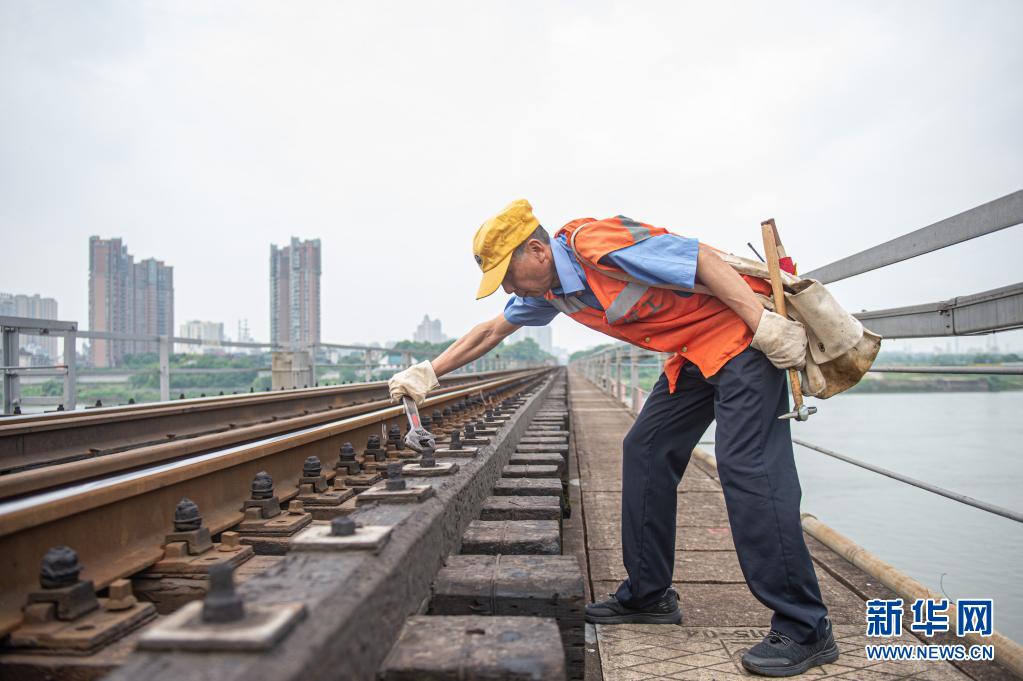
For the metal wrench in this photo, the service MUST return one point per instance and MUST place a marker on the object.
(417, 438)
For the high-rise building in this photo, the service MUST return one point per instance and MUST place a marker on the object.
(295, 294)
(429, 331)
(154, 302)
(127, 297)
(31, 307)
(540, 334)
(110, 297)
(211, 333)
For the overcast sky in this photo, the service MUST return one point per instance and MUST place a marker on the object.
(202, 132)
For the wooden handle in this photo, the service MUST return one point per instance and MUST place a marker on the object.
(770, 234)
(771, 253)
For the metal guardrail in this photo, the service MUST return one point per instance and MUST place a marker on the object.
(975, 370)
(935, 489)
(11, 328)
(990, 217)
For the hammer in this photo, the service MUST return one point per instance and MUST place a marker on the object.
(772, 243)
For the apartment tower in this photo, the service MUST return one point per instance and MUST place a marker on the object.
(295, 294)
(127, 297)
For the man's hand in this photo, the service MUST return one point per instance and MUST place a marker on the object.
(416, 382)
(782, 340)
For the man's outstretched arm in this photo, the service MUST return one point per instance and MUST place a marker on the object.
(420, 379)
(480, 340)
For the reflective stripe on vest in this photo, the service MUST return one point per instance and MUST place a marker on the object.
(636, 229)
(568, 304)
(623, 302)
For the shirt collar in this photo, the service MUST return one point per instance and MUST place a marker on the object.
(569, 272)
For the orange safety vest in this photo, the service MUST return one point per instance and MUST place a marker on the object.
(696, 327)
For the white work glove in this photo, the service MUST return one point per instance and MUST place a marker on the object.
(415, 382)
(782, 340)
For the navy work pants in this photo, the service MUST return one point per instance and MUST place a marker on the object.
(758, 476)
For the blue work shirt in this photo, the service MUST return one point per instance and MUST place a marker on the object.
(661, 259)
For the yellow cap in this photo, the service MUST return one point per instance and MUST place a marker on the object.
(497, 239)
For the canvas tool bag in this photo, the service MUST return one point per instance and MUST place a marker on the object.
(840, 349)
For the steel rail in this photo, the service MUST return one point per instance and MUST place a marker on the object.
(117, 524)
(8, 423)
(71, 472)
(39, 440)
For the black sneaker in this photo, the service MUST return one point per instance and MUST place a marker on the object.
(779, 655)
(664, 611)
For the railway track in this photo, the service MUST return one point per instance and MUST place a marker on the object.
(39, 440)
(145, 548)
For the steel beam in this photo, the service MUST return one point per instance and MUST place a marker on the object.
(993, 370)
(36, 440)
(999, 309)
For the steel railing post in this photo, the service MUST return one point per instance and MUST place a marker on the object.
(607, 372)
(10, 358)
(634, 379)
(71, 374)
(618, 374)
(164, 368)
(312, 365)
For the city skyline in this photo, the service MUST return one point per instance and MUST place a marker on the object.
(32, 306)
(212, 333)
(150, 272)
(429, 331)
(543, 335)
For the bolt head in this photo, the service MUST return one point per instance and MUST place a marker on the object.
(60, 568)
(262, 486)
(186, 516)
(311, 467)
(342, 526)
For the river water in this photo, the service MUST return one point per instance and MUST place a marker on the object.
(971, 443)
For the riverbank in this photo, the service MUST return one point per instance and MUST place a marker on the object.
(930, 383)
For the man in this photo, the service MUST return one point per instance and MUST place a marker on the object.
(728, 365)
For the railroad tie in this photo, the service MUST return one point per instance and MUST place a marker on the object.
(475, 647)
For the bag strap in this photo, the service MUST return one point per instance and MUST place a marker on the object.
(622, 276)
(740, 265)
